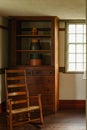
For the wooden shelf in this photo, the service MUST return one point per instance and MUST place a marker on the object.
(39, 51)
(27, 35)
(39, 29)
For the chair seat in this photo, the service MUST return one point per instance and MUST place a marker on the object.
(27, 109)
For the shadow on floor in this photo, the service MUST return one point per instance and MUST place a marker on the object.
(62, 120)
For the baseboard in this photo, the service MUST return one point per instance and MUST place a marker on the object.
(72, 104)
(63, 104)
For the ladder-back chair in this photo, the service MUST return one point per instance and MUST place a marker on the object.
(21, 107)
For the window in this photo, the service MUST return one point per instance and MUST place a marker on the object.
(76, 47)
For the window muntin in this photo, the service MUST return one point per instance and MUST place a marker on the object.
(76, 47)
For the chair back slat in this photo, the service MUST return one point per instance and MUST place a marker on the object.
(19, 102)
(16, 93)
(16, 78)
(16, 85)
(16, 88)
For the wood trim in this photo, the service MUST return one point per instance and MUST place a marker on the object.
(32, 17)
(0, 108)
(3, 27)
(62, 69)
(62, 29)
(63, 104)
(3, 107)
(2, 70)
(72, 104)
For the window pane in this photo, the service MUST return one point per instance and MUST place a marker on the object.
(79, 67)
(84, 48)
(84, 66)
(71, 48)
(79, 28)
(71, 28)
(71, 57)
(71, 67)
(84, 38)
(84, 28)
(84, 57)
(71, 38)
(79, 49)
(79, 38)
(79, 57)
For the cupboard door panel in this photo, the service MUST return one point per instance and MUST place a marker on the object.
(48, 103)
(41, 85)
(44, 86)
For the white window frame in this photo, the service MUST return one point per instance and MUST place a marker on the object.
(74, 61)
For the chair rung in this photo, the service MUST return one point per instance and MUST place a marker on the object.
(24, 122)
(16, 85)
(16, 93)
(20, 123)
(33, 120)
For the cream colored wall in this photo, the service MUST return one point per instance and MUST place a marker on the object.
(71, 86)
(3, 55)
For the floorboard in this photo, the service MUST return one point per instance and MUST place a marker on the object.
(62, 120)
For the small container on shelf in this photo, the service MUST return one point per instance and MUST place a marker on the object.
(34, 31)
(35, 44)
(35, 58)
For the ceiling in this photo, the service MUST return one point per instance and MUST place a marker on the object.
(64, 9)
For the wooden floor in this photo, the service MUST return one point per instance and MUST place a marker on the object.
(63, 120)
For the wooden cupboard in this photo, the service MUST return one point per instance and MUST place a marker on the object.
(41, 78)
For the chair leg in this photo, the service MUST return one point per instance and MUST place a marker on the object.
(41, 115)
(28, 116)
(10, 121)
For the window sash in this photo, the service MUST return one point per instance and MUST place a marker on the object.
(75, 51)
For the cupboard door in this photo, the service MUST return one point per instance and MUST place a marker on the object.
(48, 103)
(27, 32)
(43, 85)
